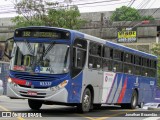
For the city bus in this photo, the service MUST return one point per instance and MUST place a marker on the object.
(50, 65)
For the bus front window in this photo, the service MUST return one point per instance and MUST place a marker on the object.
(41, 58)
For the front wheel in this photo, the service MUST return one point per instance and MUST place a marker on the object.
(86, 101)
(34, 104)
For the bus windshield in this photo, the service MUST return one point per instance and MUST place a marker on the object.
(47, 58)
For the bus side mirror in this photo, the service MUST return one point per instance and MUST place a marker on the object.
(2, 49)
(8, 47)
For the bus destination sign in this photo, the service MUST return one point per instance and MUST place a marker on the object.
(41, 33)
(127, 36)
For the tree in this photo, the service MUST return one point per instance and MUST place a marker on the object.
(125, 13)
(41, 13)
(156, 51)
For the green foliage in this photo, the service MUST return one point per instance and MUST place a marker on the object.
(66, 18)
(147, 18)
(33, 13)
(156, 51)
(125, 13)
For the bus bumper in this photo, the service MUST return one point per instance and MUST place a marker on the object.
(60, 95)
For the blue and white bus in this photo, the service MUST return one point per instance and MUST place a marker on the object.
(66, 67)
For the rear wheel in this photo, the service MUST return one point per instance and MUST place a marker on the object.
(134, 100)
(133, 103)
(86, 101)
(34, 104)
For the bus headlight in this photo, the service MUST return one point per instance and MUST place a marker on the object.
(61, 85)
(9, 80)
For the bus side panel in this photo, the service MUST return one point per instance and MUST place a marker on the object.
(94, 79)
(147, 87)
(75, 89)
(121, 87)
(143, 85)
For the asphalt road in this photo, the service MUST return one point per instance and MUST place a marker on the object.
(17, 109)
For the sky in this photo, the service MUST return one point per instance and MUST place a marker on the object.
(7, 6)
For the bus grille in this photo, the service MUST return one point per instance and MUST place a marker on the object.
(35, 77)
(34, 87)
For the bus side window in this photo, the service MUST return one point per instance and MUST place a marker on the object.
(128, 58)
(95, 53)
(128, 68)
(79, 56)
(117, 66)
(80, 59)
(137, 60)
(118, 55)
(107, 58)
(95, 49)
(107, 65)
(107, 52)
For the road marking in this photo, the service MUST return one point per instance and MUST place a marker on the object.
(5, 109)
(109, 116)
(90, 118)
(152, 118)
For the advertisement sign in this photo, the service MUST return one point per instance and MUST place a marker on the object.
(127, 36)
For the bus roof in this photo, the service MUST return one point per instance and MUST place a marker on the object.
(96, 39)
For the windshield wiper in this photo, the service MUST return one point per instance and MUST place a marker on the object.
(46, 51)
(48, 48)
(29, 47)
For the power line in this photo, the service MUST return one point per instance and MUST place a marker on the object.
(80, 4)
(129, 5)
(103, 5)
(143, 12)
(97, 2)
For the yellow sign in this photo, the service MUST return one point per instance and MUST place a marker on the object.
(127, 36)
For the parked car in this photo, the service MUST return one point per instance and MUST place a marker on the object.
(1, 87)
(151, 105)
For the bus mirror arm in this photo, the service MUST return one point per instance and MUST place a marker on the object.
(2, 49)
(7, 47)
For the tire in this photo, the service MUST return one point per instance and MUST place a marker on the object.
(34, 104)
(133, 103)
(86, 101)
(134, 100)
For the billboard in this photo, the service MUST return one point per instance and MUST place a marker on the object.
(127, 36)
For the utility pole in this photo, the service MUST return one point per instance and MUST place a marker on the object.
(101, 25)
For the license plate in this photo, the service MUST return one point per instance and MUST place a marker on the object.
(31, 93)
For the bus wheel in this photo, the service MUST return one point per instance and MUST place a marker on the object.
(86, 101)
(34, 104)
(134, 100)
